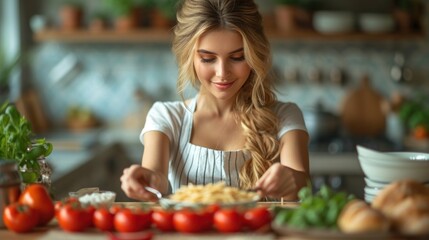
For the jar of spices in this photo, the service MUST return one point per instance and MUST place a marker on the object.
(10, 185)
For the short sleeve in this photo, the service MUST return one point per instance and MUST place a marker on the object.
(290, 118)
(164, 117)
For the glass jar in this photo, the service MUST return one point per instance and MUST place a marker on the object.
(42, 175)
(10, 184)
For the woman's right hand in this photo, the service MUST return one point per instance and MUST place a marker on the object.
(135, 178)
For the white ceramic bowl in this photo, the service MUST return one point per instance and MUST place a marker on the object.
(375, 184)
(369, 198)
(376, 22)
(333, 21)
(392, 156)
(371, 191)
(96, 197)
(382, 170)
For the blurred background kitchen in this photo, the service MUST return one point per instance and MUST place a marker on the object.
(88, 71)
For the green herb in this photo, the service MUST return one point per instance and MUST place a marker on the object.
(119, 8)
(319, 210)
(167, 8)
(415, 112)
(17, 143)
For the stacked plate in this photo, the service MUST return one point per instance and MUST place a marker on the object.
(383, 168)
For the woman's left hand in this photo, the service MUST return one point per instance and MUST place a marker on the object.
(281, 181)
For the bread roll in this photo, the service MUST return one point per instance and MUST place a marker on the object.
(411, 216)
(415, 224)
(359, 217)
(396, 192)
(406, 203)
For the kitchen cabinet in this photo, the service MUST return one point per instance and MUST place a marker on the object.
(165, 36)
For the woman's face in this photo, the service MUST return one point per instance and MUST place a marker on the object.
(219, 63)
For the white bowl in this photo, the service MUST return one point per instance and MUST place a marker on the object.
(372, 191)
(389, 171)
(96, 197)
(392, 156)
(375, 184)
(333, 21)
(376, 22)
(369, 198)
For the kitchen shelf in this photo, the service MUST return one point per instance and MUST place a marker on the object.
(312, 35)
(108, 36)
(165, 36)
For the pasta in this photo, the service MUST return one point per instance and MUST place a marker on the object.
(212, 193)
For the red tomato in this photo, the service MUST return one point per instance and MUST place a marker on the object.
(74, 217)
(163, 219)
(258, 217)
(212, 208)
(132, 220)
(20, 217)
(115, 208)
(103, 219)
(192, 221)
(228, 220)
(91, 209)
(59, 204)
(37, 197)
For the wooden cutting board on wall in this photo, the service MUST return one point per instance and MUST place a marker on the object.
(29, 105)
(362, 113)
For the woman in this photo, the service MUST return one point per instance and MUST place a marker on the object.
(234, 130)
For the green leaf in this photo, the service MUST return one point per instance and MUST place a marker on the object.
(304, 193)
(29, 177)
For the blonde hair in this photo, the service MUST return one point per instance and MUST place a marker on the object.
(255, 101)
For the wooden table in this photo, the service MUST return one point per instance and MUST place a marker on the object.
(53, 232)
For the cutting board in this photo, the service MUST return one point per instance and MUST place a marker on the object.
(362, 113)
(29, 105)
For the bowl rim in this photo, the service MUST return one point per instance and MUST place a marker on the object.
(390, 156)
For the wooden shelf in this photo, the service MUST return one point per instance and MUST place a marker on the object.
(108, 36)
(311, 35)
(165, 36)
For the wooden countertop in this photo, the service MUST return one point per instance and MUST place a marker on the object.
(53, 232)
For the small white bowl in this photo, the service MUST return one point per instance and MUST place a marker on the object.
(376, 22)
(334, 21)
(96, 198)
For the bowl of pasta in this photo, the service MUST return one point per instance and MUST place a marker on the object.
(195, 196)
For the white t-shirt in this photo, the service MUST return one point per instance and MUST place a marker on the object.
(194, 164)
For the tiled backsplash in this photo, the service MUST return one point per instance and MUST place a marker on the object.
(107, 75)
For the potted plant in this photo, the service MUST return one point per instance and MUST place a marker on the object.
(164, 13)
(98, 22)
(71, 16)
(407, 14)
(291, 15)
(414, 113)
(123, 14)
(18, 143)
